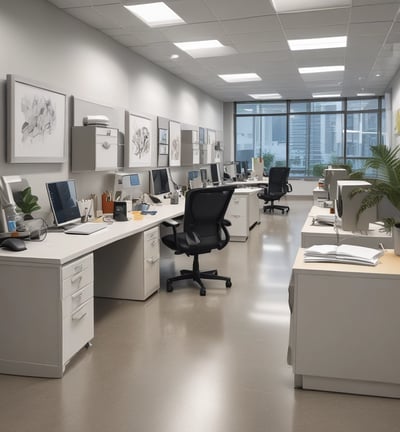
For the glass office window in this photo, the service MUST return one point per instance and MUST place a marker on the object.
(308, 135)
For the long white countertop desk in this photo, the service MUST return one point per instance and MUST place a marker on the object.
(314, 234)
(59, 248)
(344, 326)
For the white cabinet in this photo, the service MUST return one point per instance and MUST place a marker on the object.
(94, 148)
(135, 261)
(190, 148)
(49, 319)
(243, 212)
(344, 326)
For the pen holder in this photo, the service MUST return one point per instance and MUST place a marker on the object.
(107, 206)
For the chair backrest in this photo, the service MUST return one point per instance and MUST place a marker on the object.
(205, 210)
(278, 180)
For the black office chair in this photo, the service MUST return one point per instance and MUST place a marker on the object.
(204, 229)
(278, 186)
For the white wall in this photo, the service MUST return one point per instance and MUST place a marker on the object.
(43, 43)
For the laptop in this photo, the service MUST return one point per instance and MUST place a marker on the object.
(86, 228)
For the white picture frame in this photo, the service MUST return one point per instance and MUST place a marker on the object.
(139, 144)
(174, 143)
(37, 119)
(211, 141)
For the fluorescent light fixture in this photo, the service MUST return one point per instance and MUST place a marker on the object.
(320, 69)
(155, 14)
(261, 96)
(240, 77)
(205, 44)
(326, 95)
(285, 6)
(317, 43)
(365, 94)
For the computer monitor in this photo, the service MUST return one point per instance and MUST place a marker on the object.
(193, 175)
(230, 170)
(215, 178)
(63, 202)
(332, 175)
(127, 186)
(159, 182)
(203, 175)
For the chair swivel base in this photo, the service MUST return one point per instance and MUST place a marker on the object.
(196, 275)
(271, 208)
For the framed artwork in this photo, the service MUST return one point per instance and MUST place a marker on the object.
(36, 122)
(175, 144)
(163, 136)
(139, 146)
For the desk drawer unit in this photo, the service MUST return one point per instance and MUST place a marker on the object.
(77, 306)
(151, 277)
(237, 214)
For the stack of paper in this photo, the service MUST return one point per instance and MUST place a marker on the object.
(327, 219)
(96, 120)
(343, 254)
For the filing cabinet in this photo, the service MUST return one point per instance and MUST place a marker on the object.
(77, 305)
(238, 215)
(137, 260)
(94, 148)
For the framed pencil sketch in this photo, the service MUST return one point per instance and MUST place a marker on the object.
(163, 136)
(139, 144)
(37, 118)
(211, 141)
(175, 144)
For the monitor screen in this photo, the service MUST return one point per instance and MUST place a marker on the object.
(63, 202)
(203, 174)
(193, 175)
(159, 181)
(214, 173)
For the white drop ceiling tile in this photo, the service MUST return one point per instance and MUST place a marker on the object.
(193, 32)
(374, 13)
(316, 32)
(157, 51)
(394, 34)
(63, 4)
(140, 38)
(233, 9)
(369, 29)
(119, 14)
(260, 47)
(321, 18)
(260, 24)
(89, 16)
(192, 11)
(331, 78)
(332, 56)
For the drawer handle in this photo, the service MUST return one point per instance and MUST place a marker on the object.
(79, 316)
(106, 145)
(78, 294)
(76, 279)
(152, 260)
(78, 268)
(109, 133)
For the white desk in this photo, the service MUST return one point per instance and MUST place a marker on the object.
(46, 292)
(345, 326)
(322, 234)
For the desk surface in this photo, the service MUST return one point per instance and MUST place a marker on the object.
(59, 248)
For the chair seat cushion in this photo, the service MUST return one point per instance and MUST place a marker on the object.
(181, 244)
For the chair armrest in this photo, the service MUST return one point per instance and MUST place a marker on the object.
(226, 222)
(170, 223)
(289, 187)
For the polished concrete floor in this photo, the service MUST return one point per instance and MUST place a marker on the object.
(184, 363)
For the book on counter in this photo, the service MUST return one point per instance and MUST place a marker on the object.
(344, 253)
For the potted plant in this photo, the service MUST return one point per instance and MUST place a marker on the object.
(27, 203)
(386, 162)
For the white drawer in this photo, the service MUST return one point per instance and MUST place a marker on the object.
(151, 246)
(77, 266)
(75, 300)
(78, 329)
(151, 275)
(77, 275)
(237, 206)
(106, 155)
(106, 132)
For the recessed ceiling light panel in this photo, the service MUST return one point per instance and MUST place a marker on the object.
(205, 44)
(205, 48)
(317, 43)
(326, 95)
(365, 94)
(321, 69)
(156, 14)
(240, 77)
(264, 96)
(286, 6)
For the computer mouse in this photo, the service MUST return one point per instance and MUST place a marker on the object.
(13, 244)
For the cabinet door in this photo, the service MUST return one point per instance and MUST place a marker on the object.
(237, 215)
(106, 151)
(151, 261)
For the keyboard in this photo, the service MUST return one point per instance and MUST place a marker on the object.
(86, 228)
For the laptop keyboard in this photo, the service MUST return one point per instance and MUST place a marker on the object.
(86, 228)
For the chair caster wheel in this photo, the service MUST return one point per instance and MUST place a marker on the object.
(170, 288)
(202, 292)
(228, 283)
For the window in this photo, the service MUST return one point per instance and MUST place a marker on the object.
(309, 135)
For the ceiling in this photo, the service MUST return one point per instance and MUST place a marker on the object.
(259, 36)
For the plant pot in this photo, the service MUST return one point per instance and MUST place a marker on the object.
(396, 238)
